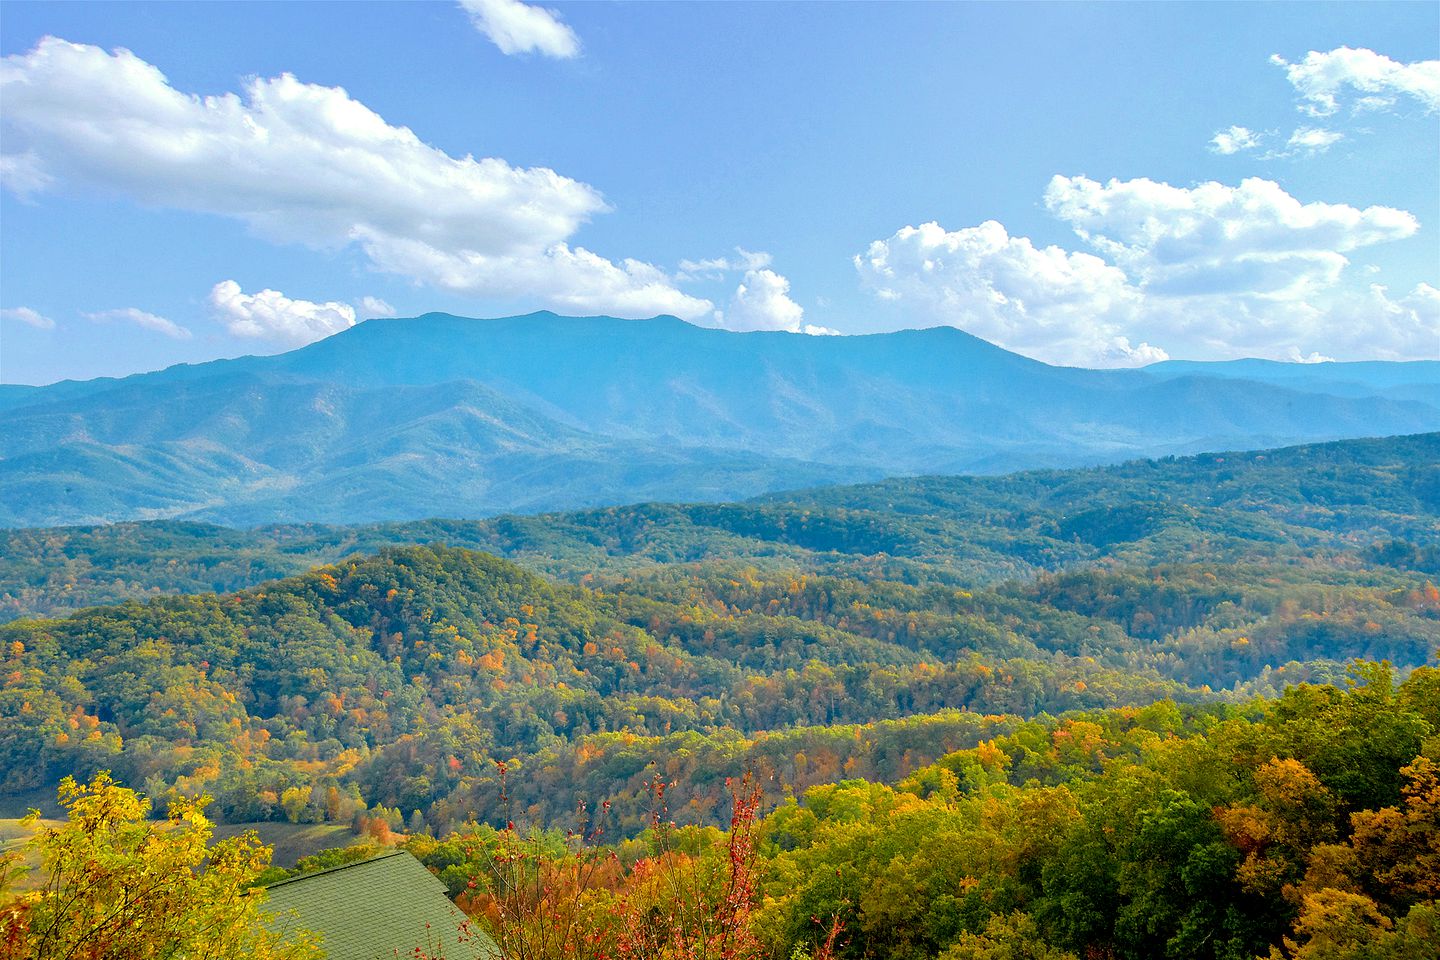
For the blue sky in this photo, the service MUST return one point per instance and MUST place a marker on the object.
(1099, 185)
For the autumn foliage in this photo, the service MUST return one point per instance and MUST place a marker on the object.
(681, 900)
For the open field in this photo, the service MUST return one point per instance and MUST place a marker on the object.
(291, 841)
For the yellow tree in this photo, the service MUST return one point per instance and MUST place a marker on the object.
(118, 886)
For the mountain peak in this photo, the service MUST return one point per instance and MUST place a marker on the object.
(395, 417)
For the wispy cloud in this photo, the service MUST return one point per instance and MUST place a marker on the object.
(1234, 140)
(715, 268)
(28, 317)
(1327, 82)
(375, 307)
(142, 319)
(1310, 140)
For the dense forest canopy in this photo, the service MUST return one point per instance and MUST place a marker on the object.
(1177, 708)
(869, 630)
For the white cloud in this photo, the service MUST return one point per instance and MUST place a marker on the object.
(1254, 239)
(1372, 324)
(28, 317)
(1311, 140)
(270, 315)
(762, 302)
(141, 318)
(1322, 79)
(375, 307)
(301, 163)
(1295, 356)
(1050, 303)
(1119, 353)
(572, 278)
(1351, 322)
(1208, 271)
(716, 267)
(517, 27)
(1234, 140)
(21, 173)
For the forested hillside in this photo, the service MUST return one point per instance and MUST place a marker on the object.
(869, 630)
(1305, 827)
(1140, 708)
(1360, 500)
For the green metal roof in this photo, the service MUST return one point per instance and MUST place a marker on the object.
(377, 909)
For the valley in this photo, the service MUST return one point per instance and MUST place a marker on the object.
(939, 646)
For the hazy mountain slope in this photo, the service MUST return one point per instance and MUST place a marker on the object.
(1365, 378)
(1333, 485)
(1294, 505)
(398, 419)
(910, 401)
(247, 448)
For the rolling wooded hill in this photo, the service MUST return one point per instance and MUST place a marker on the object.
(852, 621)
(1357, 498)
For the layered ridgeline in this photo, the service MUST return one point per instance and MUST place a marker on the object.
(444, 416)
(857, 631)
(1343, 503)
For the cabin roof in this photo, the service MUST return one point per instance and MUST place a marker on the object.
(377, 909)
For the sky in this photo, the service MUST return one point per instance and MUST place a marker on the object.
(1102, 185)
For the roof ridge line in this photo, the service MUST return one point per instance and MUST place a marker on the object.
(336, 869)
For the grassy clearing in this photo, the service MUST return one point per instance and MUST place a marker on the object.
(14, 838)
(291, 841)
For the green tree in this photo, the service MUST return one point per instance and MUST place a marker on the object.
(1007, 937)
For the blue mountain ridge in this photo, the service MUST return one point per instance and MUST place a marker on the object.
(444, 415)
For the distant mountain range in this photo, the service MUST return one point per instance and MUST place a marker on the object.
(447, 416)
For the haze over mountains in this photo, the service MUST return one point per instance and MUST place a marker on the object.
(447, 416)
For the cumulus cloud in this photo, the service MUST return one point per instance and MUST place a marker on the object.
(1118, 352)
(1209, 270)
(1253, 239)
(762, 302)
(375, 307)
(1403, 328)
(28, 317)
(142, 319)
(1324, 79)
(1233, 140)
(1046, 302)
(270, 315)
(301, 163)
(517, 27)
